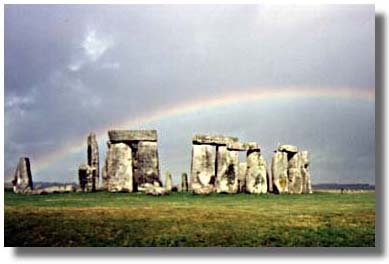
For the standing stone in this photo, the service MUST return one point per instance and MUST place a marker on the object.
(86, 178)
(168, 182)
(22, 182)
(256, 178)
(295, 185)
(306, 176)
(227, 170)
(93, 158)
(118, 168)
(147, 166)
(279, 170)
(242, 177)
(269, 181)
(202, 169)
(184, 182)
(104, 172)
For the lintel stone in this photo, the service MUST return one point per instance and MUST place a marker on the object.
(217, 140)
(238, 146)
(132, 135)
(288, 148)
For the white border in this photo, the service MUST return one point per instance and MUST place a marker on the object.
(9, 255)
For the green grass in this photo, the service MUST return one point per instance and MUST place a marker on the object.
(182, 219)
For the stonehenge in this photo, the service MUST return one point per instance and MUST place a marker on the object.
(131, 161)
(132, 165)
(215, 166)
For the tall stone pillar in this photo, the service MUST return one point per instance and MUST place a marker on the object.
(93, 159)
(22, 182)
(202, 169)
(227, 170)
(184, 182)
(168, 182)
(242, 177)
(279, 170)
(256, 178)
(306, 176)
(147, 164)
(118, 174)
(295, 185)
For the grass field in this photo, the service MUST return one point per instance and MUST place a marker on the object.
(182, 219)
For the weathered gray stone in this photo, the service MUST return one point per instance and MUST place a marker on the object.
(269, 181)
(152, 189)
(202, 169)
(203, 189)
(306, 176)
(227, 170)
(146, 164)
(295, 185)
(239, 146)
(184, 182)
(132, 135)
(168, 182)
(104, 172)
(256, 178)
(93, 158)
(242, 177)
(118, 175)
(216, 140)
(288, 148)
(279, 170)
(22, 182)
(56, 189)
(86, 178)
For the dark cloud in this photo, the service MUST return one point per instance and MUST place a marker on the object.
(74, 69)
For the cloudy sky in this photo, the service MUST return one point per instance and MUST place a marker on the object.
(306, 74)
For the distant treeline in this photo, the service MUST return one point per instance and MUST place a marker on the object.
(331, 186)
(322, 186)
(8, 185)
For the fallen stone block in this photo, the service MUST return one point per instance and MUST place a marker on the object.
(152, 189)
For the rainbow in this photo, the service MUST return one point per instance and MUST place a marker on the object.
(199, 104)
